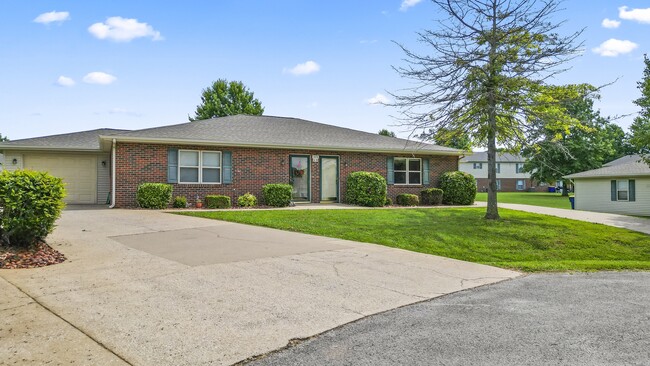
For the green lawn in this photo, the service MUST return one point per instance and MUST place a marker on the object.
(554, 200)
(523, 241)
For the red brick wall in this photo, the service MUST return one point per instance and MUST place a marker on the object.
(251, 169)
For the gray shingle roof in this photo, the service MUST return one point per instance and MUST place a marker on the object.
(481, 157)
(268, 131)
(84, 140)
(632, 168)
(624, 160)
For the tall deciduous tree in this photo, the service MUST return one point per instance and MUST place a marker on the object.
(3, 138)
(486, 60)
(224, 98)
(452, 138)
(640, 128)
(582, 146)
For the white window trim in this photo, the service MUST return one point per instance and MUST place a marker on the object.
(407, 171)
(523, 185)
(200, 167)
(621, 190)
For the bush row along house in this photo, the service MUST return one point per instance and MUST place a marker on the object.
(228, 156)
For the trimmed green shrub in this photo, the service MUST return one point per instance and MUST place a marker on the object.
(30, 204)
(247, 200)
(389, 202)
(277, 194)
(459, 188)
(366, 189)
(154, 195)
(431, 196)
(217, 201)
(407, 199)
(180, 202)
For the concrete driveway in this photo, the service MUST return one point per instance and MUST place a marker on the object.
(145, 287)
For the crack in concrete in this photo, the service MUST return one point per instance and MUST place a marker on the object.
(17, 307)
(46, 308)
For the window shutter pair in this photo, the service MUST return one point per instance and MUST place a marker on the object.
(390, 171)
(631, 195)
(172, 166)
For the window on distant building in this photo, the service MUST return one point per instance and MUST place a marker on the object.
(520, 167)
(521, 184)
(478, 165)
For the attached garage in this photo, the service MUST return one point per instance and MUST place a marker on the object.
(77, 158)
(79, 173)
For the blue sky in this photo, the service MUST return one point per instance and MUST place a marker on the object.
(77, 65)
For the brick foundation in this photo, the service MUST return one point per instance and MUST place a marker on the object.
(251, 169)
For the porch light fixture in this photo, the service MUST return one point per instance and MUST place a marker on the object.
(15, 161)
(104, 163)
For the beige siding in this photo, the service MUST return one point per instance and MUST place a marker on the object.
(9, 165)
(508, 170)
(595, 195)
(103, 178)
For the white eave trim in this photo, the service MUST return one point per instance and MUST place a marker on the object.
(46, 148)
(270, 146)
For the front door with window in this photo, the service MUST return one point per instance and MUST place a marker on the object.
(329, 178)
(299, 176)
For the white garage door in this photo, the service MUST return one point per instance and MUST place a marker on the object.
(79, 173)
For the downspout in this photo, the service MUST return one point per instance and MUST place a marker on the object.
(113, 175)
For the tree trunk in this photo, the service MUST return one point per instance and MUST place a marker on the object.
(565, 188)
(492, 212)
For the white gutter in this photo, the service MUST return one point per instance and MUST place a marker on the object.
(113, 175)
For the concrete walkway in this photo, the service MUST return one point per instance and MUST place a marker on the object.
(627, 222)
(151, 288)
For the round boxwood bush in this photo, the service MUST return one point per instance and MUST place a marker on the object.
(30, 203)
(154, 195)
(431, 196)
(217, 201)
(180, 202)
(247, 200)
(277, 194)
(459, 188)
(407, 199)
(366, 189)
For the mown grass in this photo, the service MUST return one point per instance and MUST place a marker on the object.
(555, 200)
(520, 240)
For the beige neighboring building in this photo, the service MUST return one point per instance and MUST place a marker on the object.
(621, 186)
(510, 172)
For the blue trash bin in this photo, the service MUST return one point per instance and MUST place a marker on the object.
(551, 189)
(573, 202)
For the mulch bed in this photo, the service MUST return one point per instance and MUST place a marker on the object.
(38, 255)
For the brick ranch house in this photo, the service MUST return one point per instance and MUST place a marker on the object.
(228, 156)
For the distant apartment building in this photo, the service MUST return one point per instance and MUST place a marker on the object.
(510, 172)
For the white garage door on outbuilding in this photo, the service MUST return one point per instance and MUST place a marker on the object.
(79, 173)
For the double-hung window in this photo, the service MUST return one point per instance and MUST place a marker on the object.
(521, 184)
(199, 166)
(622, 189)
(408, 171)
(519, 167)
(498, 168)
(478, 165)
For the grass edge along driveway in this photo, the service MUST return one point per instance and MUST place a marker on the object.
(554, 200)
(520, 240)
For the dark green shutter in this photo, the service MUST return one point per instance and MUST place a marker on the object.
(227, 167)
(425, 171)
(172, 165)
(390, 171)
(632, 194)
(614, 190)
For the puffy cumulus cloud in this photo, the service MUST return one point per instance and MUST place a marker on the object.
(637, 15)
(64, 81)
(120, 29)
(98, 77)
(608, 23)
(305, 68)
(614, 47)
(378, 99)
(52, 17)
(408, 4)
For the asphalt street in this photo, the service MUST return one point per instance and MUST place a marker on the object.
(544, 319)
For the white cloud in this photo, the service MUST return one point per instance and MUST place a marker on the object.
(408, 4)
(64, 81)
(120, 29)
(378, 99)
(98, 77)
(53, 16)
(608, 23)
(638, 15)
(614, 47)
(306, 68)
